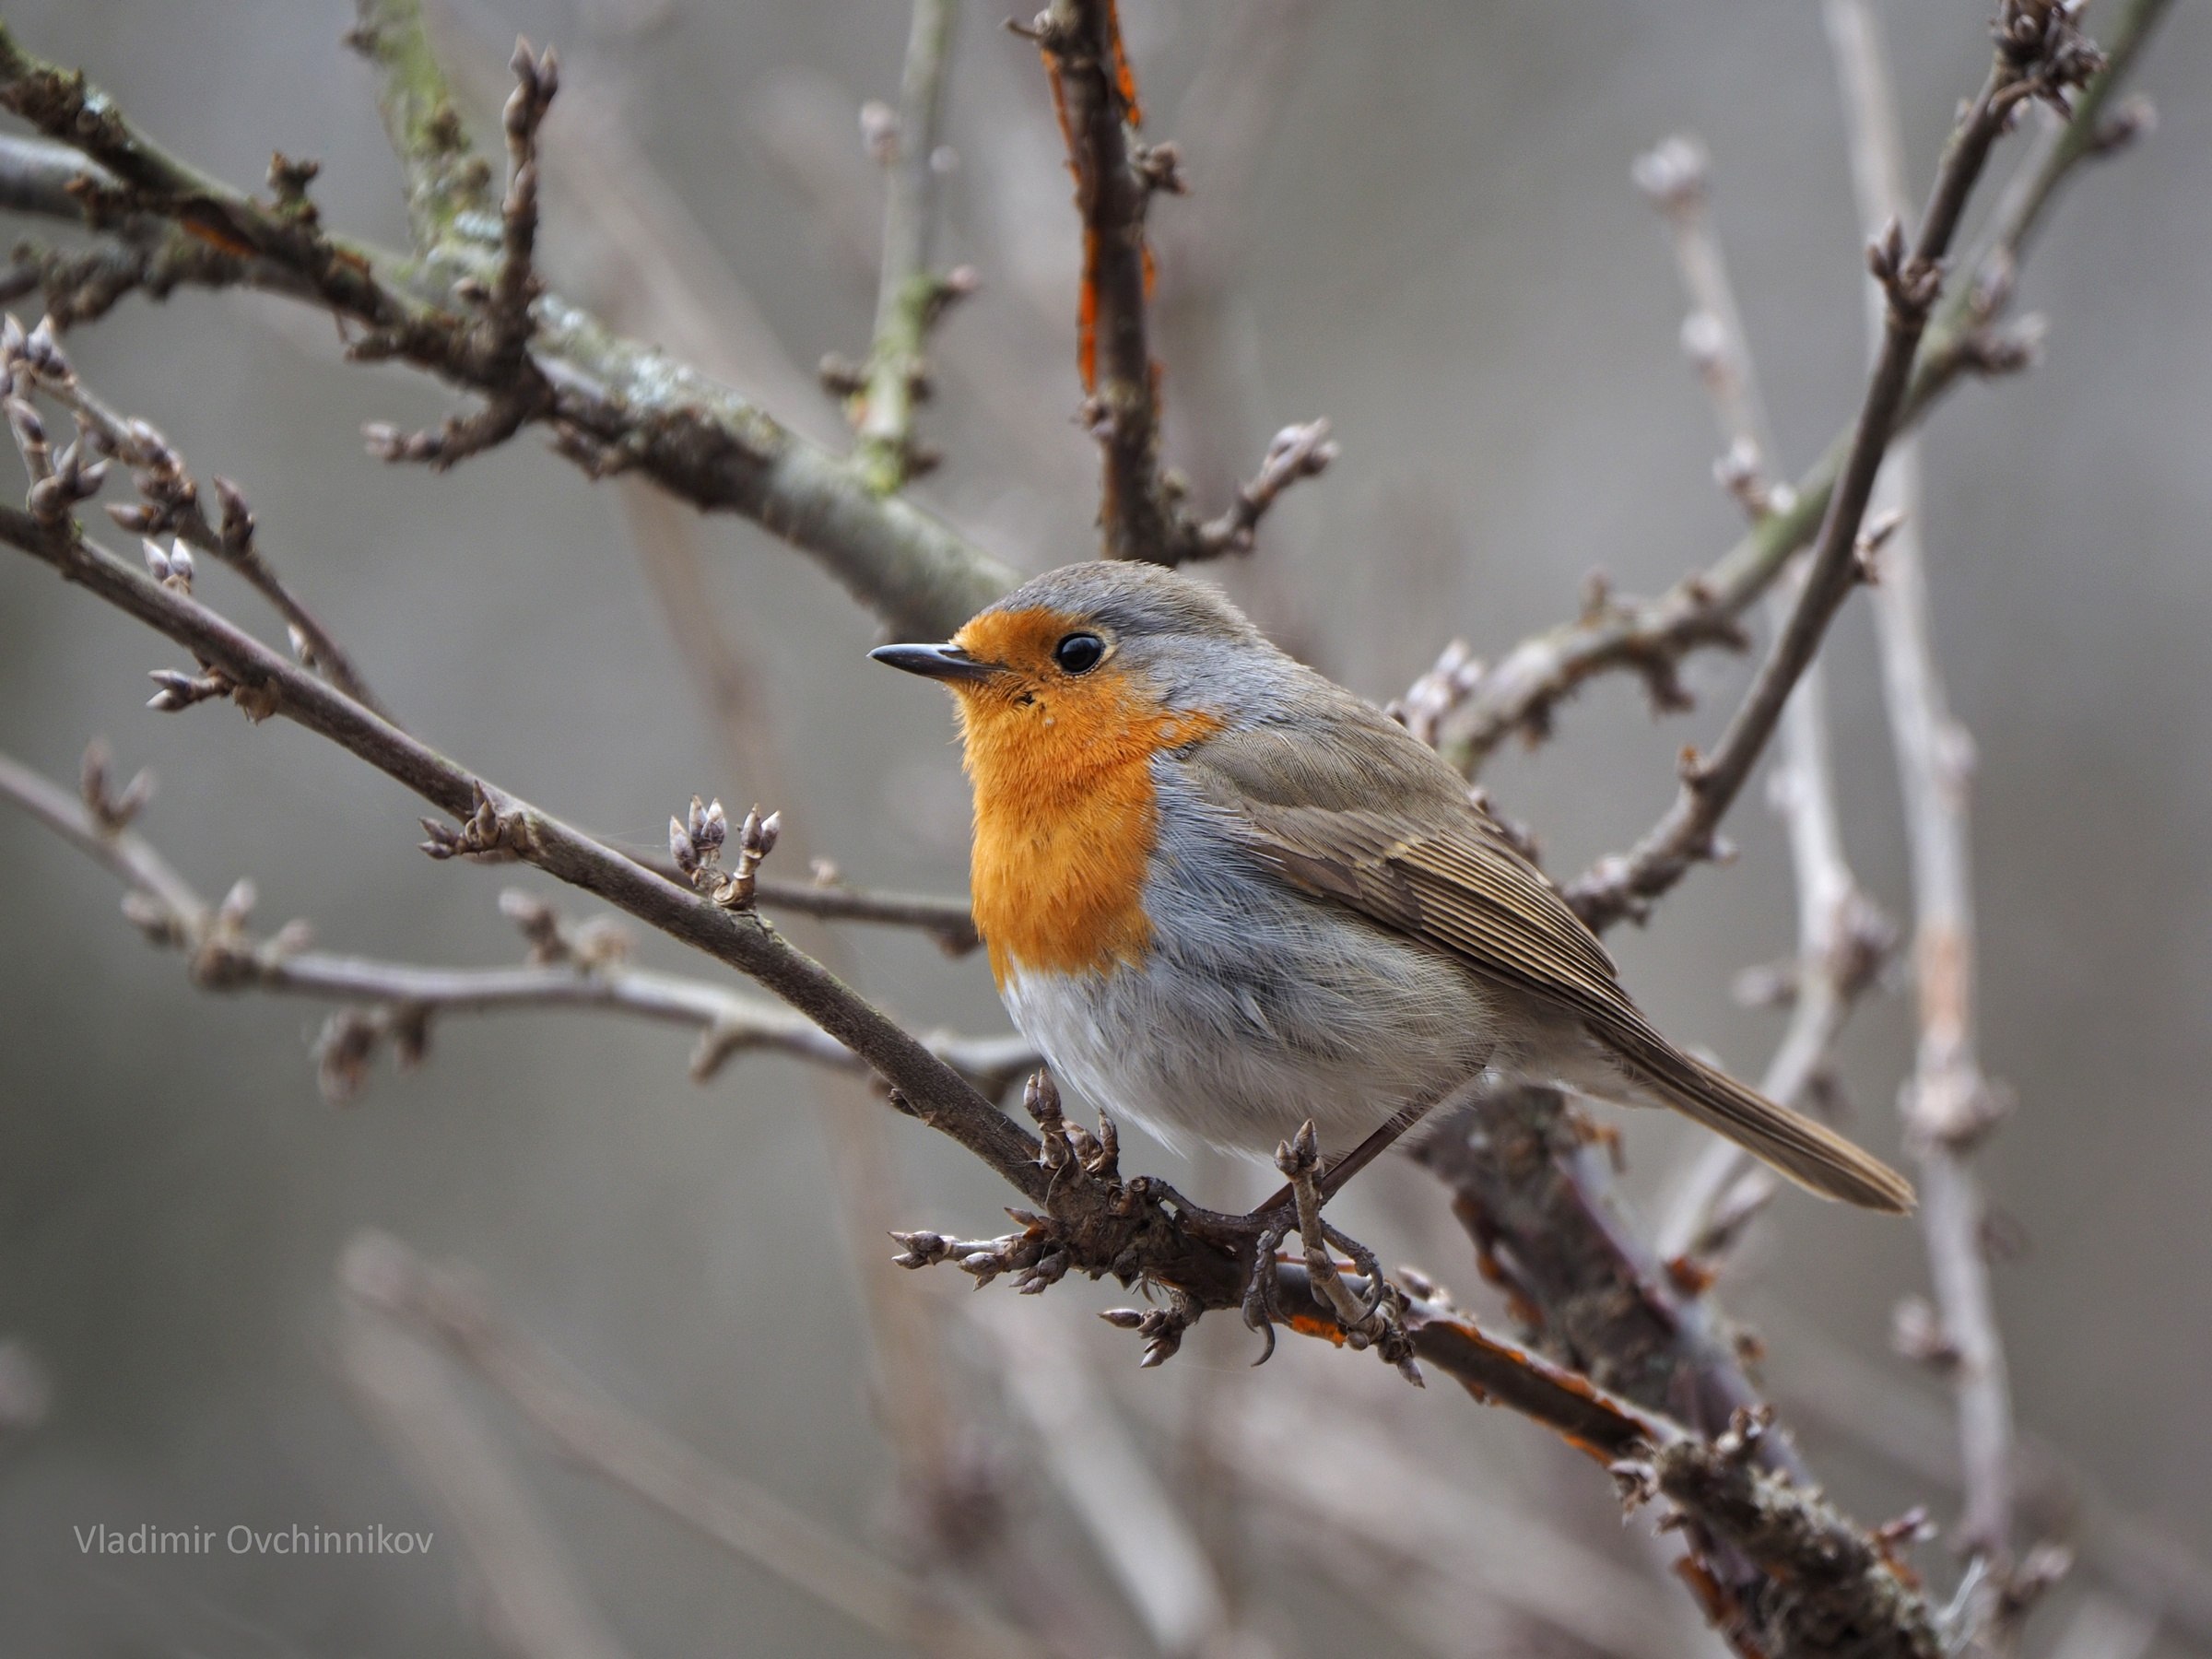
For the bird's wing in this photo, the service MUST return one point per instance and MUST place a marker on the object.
(1352, 808)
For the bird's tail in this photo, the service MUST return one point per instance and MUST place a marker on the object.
(1811, 1154)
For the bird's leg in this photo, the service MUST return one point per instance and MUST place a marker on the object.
(1333, 1179)
(1374, 1323)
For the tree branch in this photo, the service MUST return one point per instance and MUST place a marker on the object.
(1096, 96)
(614, 405)
(909, 297)
(1841, 938)
(450, 198)
(497, 822)
(569, 967)
(1948, 1105)
(1524, 687)
(172, 505)
(1824, 1586)
(2042, 62)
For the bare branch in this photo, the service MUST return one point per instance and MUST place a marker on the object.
(1523, 689)
(1911, 279)
(1530, 1182)
(569, 967)
(909, 297)
(383, 1280)
(495, 822)
(1949, 1106)
(1827, 1587)
(450, 197)
(616, 405)
(1115, 177)
(497, 343)
(1841, 938)
(949, 920)
(172, 502)
(1297, 452)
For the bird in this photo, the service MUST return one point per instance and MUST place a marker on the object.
(1228, 899)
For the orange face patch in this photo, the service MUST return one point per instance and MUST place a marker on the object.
(1064, 814)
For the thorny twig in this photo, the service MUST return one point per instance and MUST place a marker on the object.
(380, 1276)
(570, 965)
(1948, 1105)
(2040, 56)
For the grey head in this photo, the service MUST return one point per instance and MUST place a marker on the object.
(1182, 636)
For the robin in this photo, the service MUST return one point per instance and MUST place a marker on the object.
(1227, 898)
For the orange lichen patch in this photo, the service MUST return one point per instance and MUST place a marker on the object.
(1064, 812)
(1122, 83)
(215, 232)
(1305, 1325)
(1086, 313)
(1690, 1275)
(1124, 78)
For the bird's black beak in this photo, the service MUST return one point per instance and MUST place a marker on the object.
(934, 662)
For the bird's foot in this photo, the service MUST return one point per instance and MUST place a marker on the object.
(1369, 1320)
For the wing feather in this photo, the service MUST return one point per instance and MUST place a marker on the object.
(1375, 821)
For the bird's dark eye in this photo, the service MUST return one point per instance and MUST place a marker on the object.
(1079, 652)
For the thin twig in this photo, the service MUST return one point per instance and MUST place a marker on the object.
(1297, 452)
(616, 405)
(949, 921)
(1912, 278)
(171, 503)
(381, 1280)
(572, 968)
(449, 196)
(1841, 938)
(498, 823)
(909, 297)
(1520, 691)
(497, 343)
(1949, 1106)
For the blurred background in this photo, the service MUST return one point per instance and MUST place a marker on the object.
(1423, 229)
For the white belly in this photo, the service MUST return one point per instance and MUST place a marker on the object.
(1236, 1038)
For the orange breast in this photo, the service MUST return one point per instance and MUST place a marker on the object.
(1065, 820)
